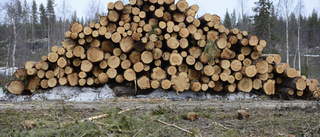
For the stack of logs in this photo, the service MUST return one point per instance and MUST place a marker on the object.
(160, 44)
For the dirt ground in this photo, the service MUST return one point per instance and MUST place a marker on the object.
(144, 117)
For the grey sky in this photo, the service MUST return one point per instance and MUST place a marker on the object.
(218, 7)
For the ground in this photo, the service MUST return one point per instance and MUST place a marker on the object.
(145, 117)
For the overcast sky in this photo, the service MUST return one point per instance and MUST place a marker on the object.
(218, 7)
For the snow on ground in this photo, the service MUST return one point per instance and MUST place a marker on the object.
(86, 94)
(8, 71)
(66, 93)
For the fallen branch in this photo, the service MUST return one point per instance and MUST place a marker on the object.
(173, 125)
(95, 117)
(216, 123)
(105, 115)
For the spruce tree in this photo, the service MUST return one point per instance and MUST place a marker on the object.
(227, 20)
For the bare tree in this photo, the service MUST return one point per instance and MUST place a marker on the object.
(299, 7)
(14, 10)
(287, 4)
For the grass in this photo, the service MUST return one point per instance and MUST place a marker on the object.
(63, 120)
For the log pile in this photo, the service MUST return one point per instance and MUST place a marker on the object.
(160, 44)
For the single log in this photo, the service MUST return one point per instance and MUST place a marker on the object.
(208, 70)
(253, 40)
(59, 72)
(225, 64)
(143, 82)
(129, 74)
(269, 87)
(126, 44)
(62, 62)
(21, 74)
(224, 77)
(33, 84)
(73, 79)
(183, 68)
(44, 84)
(112, 73)
(146, 57)
(278, 68)
(195, 86)
(257, 84)
(16, 87)
(76, 27)
(245, 85)
(195, 51)
(114, 62)
(171, 70)
(277, 58)
(236, 65)
(190, 60)
(166, 84)
(53, 57)
(246, 62)
(95, 54)
(262, 67)
(249, 71)
(173, 43)
(175, 59)
(86, 66)
(237, 75)
(155, 84)
(50, 74)
(289, 72)
(103, 78)
(230, 88)
(180, 82)
(125, 64)
(295, 83)
(182, 6)
(267, 57)
(158, 74)
(119, 78)
(52, 82)
(113, 16)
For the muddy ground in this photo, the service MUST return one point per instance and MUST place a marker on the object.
(140, 118)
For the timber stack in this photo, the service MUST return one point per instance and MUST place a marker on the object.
(160, 44)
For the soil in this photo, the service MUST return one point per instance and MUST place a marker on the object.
(214, 117)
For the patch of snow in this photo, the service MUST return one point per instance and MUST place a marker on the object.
(8, 71)
(2, 94)
(67, 93)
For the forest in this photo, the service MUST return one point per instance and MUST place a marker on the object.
(28, 30)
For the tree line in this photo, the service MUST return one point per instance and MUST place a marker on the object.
(28, 30)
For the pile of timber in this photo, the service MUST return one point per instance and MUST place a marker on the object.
(160, 44)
